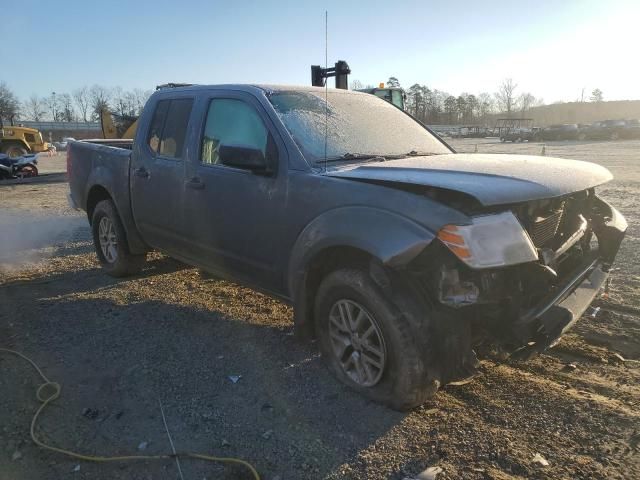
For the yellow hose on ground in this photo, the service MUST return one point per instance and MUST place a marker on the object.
(55, 393)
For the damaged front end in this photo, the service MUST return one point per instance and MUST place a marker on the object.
(545, 283)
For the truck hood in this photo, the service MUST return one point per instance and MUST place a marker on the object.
(492, 179)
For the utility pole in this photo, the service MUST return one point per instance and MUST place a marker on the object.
(55, 113)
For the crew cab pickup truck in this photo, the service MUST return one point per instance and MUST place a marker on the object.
(398, 254)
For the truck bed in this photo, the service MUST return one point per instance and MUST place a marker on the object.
(104, 163)
(126, 143)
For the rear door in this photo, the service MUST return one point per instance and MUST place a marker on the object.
(157, 176)
(234, 214)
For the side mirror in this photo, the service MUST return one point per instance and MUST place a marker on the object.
(245, 157)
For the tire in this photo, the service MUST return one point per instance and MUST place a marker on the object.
(14, 150)
(28, 171)
(403, 378)
(115, 258)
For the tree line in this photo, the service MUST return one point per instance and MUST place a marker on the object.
(433, 106)
(429, 105)
(83, 104)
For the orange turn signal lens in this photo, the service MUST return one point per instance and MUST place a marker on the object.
(454, 241)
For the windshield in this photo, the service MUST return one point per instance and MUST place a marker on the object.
(357, 124)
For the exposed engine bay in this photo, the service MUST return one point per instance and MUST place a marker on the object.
(523, 309)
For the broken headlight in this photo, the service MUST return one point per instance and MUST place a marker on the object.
(490, 241)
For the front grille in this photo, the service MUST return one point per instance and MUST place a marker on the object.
(544, 228)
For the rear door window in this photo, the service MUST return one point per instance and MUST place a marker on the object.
(157, 124)
(168, 129)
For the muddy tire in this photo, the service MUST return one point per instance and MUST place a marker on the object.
(371, 343)
(14, 150)
(28, 171)
(110, 241)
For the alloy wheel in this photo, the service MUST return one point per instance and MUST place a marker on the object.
(357, 342)
(108, 240)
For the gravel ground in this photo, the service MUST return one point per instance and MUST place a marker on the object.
(119, 347)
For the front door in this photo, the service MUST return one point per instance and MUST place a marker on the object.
(157, 176)
(234, 213)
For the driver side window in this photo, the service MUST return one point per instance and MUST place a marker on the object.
(231, 122)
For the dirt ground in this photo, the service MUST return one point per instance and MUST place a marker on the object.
(120, 347)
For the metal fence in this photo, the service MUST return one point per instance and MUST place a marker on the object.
(54, 126)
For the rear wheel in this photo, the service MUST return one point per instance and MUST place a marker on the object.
(14, 151)
(368, 341)
(110, 242)
(28, 171)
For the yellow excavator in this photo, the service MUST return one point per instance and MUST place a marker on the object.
(116, 126)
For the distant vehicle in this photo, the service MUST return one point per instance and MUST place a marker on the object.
(393, 95)
(567, 131)
(632, 130)
(62, 145)
(399, 255)
(18, 167)
(520, 135)
(16, 141)
(605, 130)
(505, 128)
(470, 131)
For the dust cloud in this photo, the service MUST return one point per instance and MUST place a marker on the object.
(27, 238)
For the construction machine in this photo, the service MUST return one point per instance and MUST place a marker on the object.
(341, 71)
(116, 126)
(16, 140)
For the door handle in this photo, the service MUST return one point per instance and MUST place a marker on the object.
(142, 172)
(195, 183)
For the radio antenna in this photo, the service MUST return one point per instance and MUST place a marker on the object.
(326, 91)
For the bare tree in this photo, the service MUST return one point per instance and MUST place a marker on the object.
(67, 113)
(506, 96)
(526, 101)
(82, 100)
(34, 108)
(141, 97)
(52, 104)
(99, 97)
(356, 85)
(9, 104)
(597, 95)
(485, 104)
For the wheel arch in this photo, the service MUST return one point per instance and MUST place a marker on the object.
(96, 194)
(349, 236)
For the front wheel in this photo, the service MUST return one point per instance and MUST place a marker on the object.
(14, 151)
(368, 342)
(110, 242)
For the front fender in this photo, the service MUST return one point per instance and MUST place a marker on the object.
(391, 238)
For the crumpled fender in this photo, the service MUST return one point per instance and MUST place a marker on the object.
(391, 238)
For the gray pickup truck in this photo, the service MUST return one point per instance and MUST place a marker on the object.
(400, 256)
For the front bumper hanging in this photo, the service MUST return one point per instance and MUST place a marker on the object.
(542, 326)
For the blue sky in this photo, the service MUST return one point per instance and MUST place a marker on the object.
(550, 48)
